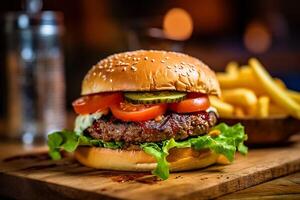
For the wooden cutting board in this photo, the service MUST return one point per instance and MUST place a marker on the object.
(34, 176)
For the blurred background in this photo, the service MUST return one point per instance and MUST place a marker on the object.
(216, 31)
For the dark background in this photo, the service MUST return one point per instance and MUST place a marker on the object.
(97, 28)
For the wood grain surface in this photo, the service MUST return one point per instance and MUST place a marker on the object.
(286, 188)
(34, 176)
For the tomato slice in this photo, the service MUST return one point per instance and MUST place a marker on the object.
(137, 112)
(199, 103)
(93, 103)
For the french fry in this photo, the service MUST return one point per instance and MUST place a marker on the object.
(295, 95)
(278, 95)
(226, 81)
(240, 96)
(263, 106)
(251, 110)
(224, 109)
(229, 78)
(241, 85)
(246, 72)
(232, 69)
(246, 78)
(239, 112)
(280, 83)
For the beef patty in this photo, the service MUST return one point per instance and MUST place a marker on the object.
(171, 125)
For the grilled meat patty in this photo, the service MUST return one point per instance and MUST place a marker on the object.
(171, 125)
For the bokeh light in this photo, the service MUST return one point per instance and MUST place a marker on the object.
(257, 38)
(178, 24)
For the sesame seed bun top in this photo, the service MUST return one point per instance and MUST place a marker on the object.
(150, 71)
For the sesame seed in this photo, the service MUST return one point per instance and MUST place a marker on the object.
(169, 67)
(146, 58)
(123, 64)
(94, 74)
(104, 77)
(124, 69)
(133, 68)
(167, 58)
(162, 61)
(152, 60)
(110, 80)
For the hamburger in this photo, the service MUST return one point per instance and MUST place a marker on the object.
(148, 111)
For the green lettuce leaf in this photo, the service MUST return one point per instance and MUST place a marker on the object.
(162, 169)
(70, 140)
(227, 143)
(231, 139)
(160, 153)
(62, 139)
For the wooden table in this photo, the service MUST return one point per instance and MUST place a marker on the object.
(287, 187)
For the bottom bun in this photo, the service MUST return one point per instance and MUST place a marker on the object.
(137, 160)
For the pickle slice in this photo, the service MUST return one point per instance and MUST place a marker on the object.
(154, 97)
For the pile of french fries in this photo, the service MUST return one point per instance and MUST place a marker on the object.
(250, 91)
